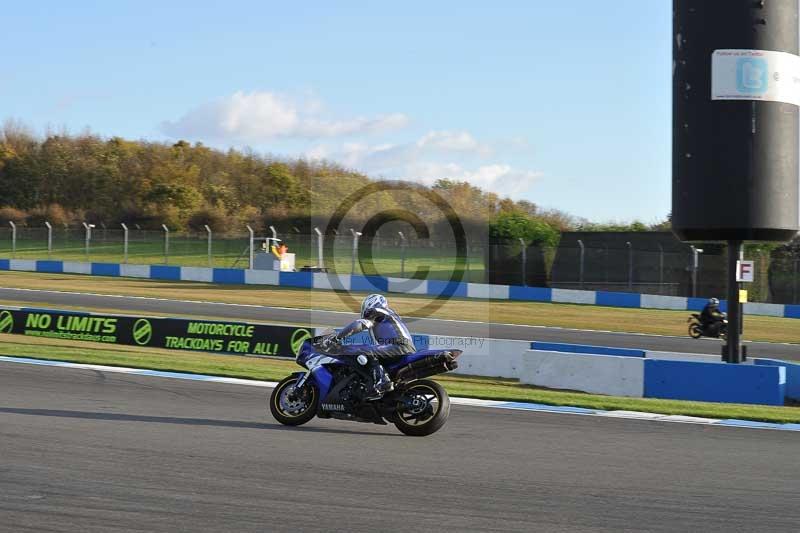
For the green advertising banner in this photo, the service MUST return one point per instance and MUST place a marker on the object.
(170, 333)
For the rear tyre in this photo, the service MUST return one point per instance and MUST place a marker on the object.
(293, 407)
(422, 409)
(695, 331)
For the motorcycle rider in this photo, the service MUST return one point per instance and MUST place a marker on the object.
(711, 318)
(390, 336)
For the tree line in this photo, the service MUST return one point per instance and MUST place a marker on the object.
(69, 179)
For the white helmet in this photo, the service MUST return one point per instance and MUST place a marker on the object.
(372, 301)
(713, 302)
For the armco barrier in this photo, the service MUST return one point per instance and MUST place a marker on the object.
(710, 382)
(792, 376)
(585, 348)
(679, 356)
(600, 374)
(438, 288)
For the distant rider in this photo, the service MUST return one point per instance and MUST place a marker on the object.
(390, 336)
(711, 318)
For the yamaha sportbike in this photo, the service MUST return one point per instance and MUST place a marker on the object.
(336, 386)
(697, 329)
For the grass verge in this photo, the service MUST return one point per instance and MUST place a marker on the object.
(648, 321)
(456, 385)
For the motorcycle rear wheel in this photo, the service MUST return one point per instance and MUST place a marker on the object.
(423, 409)
(291, 407)
(695, 331)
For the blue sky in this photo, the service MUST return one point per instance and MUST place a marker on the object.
(566, 104)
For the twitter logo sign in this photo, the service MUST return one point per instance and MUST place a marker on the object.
(752, 75)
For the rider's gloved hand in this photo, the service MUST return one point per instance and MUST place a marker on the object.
(328, 342)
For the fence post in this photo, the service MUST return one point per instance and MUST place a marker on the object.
(356, 235)
(208, 231)
(49, 239)
(630, 266)
(87, 238)
(13, 238)
(466, 264)
(103, 225)
(794, 278)
(580, 268)
(695, 267)
(124, 242)
(166, 243)
(320, 264)
(524, 263)
(252, 243)
(764, 276)
(402, 254)
(660, 268)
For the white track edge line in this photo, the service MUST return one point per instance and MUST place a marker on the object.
(472, 402)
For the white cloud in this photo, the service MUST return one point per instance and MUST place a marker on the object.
(453, 141)
(430, 158)
(500, 178)
(259, 116)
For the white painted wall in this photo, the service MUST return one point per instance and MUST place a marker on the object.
(323, 280)
(27, 265)
(599, 374)
(763, 309)
(203, 274)
(261, 277)
(570, 296)
(485, 290)
(409, 286)
(134, 271)
(77, 268)
(653, 301)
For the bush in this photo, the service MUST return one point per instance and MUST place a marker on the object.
(53, 213)
(17, 216)
(214, 218)
(516, 225)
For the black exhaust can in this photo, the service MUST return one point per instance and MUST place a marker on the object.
(736, 90)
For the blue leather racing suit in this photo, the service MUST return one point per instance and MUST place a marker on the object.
(390, 336)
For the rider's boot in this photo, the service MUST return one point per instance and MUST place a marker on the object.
(381, 382)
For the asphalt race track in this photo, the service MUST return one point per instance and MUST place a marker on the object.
(420, 325)
(89, 451)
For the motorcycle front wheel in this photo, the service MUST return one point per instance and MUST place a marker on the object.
(422, 409)
(695, 331)
(293, 407)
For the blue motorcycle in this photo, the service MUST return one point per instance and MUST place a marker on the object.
(337, 387)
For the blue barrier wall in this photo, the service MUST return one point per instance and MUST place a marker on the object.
(356, 283)
(619, 299)
(102, 269)
(229, 275)
(583, 348)
(712, 382)
(792, 376)
(165, 272)
(53, 267)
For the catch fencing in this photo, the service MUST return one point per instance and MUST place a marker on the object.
(635, 262)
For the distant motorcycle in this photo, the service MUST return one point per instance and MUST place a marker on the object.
(697, 330)
(337, 387)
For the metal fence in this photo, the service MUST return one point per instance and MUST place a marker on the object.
(645, 263)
